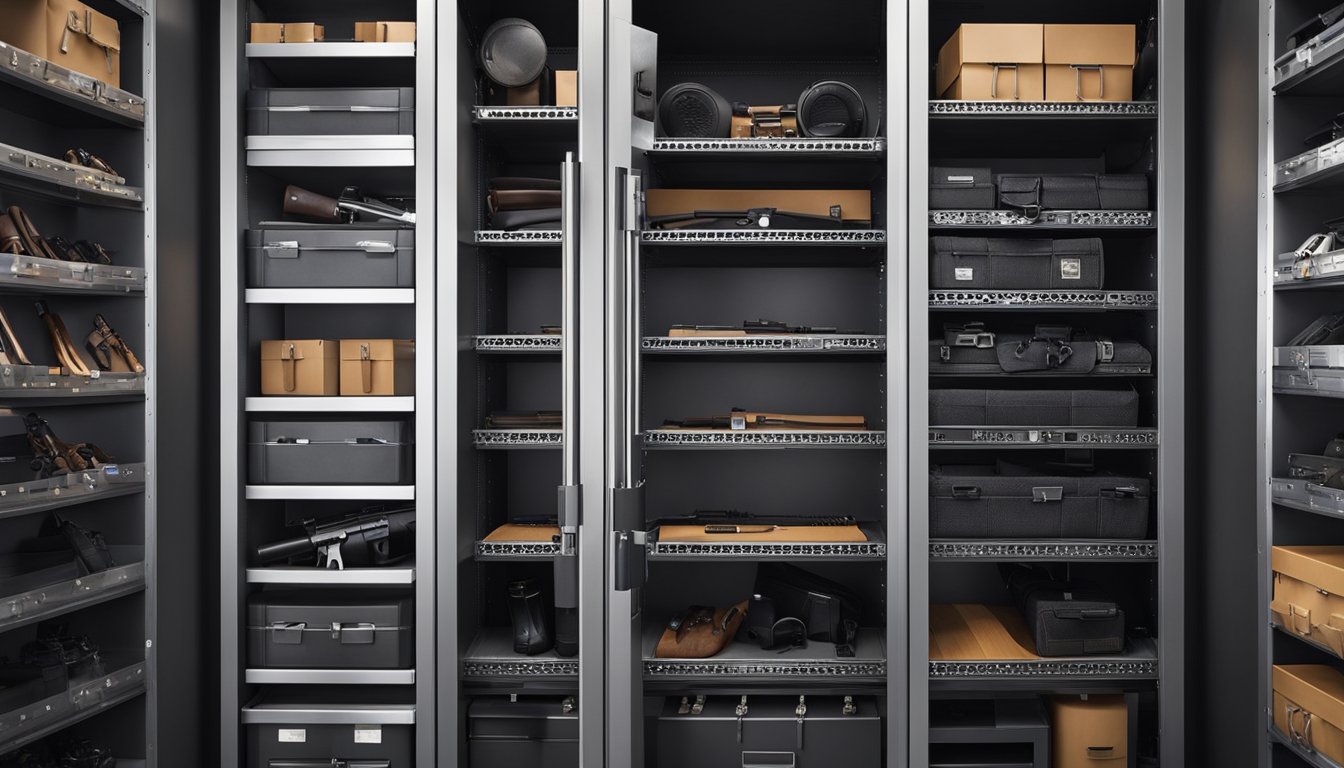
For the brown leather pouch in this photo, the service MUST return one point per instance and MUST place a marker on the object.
(700, 632)
(523, 199)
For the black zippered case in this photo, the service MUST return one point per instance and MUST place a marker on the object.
(290, 256)
(961, 189)
(1011, 502)
(1034, 407)
(737, 731)
(1033, 193)
(316, 452)
(537, 732)
(1066, 618)
(316, 630)
(1093, 356)
(1001, 263)
(331, 112)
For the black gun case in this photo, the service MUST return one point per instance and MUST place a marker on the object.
(1006, 501)
(329, 452)
(313, 630)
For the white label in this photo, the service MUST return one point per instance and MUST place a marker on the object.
(1071, 269)
(293, 735)
(964, 273)
(368, 734)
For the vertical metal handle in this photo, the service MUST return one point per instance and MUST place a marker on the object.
(634, 328)
(629, 538)
(569, 317)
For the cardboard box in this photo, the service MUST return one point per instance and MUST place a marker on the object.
(1089, 62)
(296, 32)
(1309, 593)
(385, 31)
(42, 28)
(856, 205)
(1310, 694)
(992, 61)
(1089, 731)
(299, 367)
(566, 88)
(377, 367)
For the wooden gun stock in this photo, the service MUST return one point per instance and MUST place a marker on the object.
(301, 202)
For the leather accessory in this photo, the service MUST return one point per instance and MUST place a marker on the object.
(110, 351)
(512, 52)
(346, 209)
(10, 242)
(700, 632)
(522, 199)
(93, 253)
(528, 614)
(777, 121)
(540, 218)
(523, 420)
(831, 109)
(81, 156)
(65, 249)
(694, 111)
(89, 546)
(66, 354)
(740, 419)
(55, 456)
(10, 347)
(33, 243)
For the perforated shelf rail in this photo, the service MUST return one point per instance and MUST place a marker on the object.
(1044, 299)
(1047, 219)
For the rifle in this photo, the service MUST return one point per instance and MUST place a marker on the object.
(756, 327)
(370, 538)
(718, 520)
(740, 419)
(345, 209)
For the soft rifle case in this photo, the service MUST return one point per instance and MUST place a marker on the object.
(1009, 502)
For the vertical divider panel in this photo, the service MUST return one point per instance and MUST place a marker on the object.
(1264, 356)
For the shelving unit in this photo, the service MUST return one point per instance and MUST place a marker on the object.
(1144, 283)
(397, 704)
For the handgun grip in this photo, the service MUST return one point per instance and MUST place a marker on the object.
(301, 202)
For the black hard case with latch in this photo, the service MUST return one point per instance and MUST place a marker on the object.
(306, 745)
(314, 630)
(770, 732)
(539, 732)
(331, 112)
(1010, 502)
(1001, 263)
(1066, 618)
(329, 452)
(1089, 356)
(291, 256)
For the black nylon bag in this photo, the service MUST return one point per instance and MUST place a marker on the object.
(1034, 407)
(973, 263)
(1066, 618)
(1007, 502)
(1085, 357)
(961, 189)
(830, 610)
(1032, 194)
(1123, 192)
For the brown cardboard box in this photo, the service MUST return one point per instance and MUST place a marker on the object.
(1089, 731)
(1089, 62)
(377, 367)
(1309, 593)
(66, 32)
(385, 31)
(566, 88)
(1310, 695)
(296, 32)
(299, 367)
(856, 205)
(992, 61)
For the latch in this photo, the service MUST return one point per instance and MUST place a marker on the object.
(741, 712)
(965, 491)
(353, 634)
(699, 705)
(849, 709)
(288, 632)
(569, 704)
(1120, 492)
(800, 712)
(1047, 493)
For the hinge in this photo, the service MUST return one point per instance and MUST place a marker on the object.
(631, 540)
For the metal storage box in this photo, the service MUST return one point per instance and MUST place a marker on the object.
(1016, 503)
(331, 112)
(1034, 407)
(330, 257)
(302, 745)
(329, 452)
(534, 732)
(316, 630)
(770, 732)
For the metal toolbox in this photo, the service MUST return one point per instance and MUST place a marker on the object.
(770, 732)
(540, 732)
(1034, 407)
(331, 112)
(344, 729)
(994, 733)
(1008, 502)
(316, 630)
(315, 452)
(1014, 263)
(290, 256)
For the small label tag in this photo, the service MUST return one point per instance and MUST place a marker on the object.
(1071, 269)
(368, 734)
(964, 273)
(293, 735)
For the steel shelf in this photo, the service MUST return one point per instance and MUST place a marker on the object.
(1313, 759)
(1323, 648)
(34, 384)
(857, 149)
(108, 481)
(334, 404)
(490, 656)
(330, 492)
(743, 662)
(330, 577)
(330, 151)
(59, 180)
(516, 551)
(82, 701)
(1102, 371)
(763, 237)
(1305, 391)
(519, 343)
(522, 237)
(272, 710)
(1139, 663)
(329, 296)
(723, 439)
(875, 548)
(1038, 300)
(73, 595)
(330, 676)
(1041, 437)
(1320, 283)
(65, 88)
(1081, 550)
(759, 343)
(133, 5)
(1296, 493)
(333, 50)
(522, 115)
(30, 274)
(516, 439)
(1036, 110)
(1089, 220)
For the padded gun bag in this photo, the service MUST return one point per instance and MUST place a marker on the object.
(970, 350)
(329, 452)
(961, 189)
(317, 630)
(1034, 407)
(1011, 263)
(331, 112)
(1010, 502)
(345, 257)
(1032, 194)
(770, 732)
(271, 744)
(1065, 618)
(537, 732)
